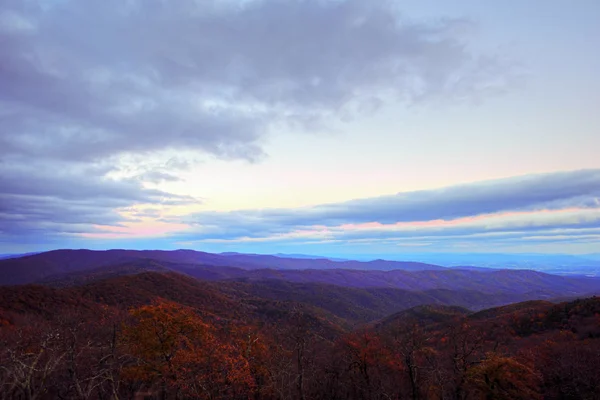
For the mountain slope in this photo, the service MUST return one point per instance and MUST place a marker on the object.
(282, 262)
(362, 305)
(427, 314)
(125, 292)
(36, 267)
(521, 284)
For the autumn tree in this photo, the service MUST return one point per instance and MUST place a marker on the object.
(568, 366)
(461, 347)
(257, 350)
(412, 349)
(499, 377)
(367, 362)
(178, 351)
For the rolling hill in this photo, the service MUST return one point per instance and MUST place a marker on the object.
(36, 267)
(474, 288)
(277, 329)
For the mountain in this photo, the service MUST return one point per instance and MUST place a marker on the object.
(36, 267)
(79, 278)
(567, 264)
(363, 305)
(308, 256)
(277, 262)
(357, 305)
(501, 281)
(68, 268)
(350, 305)
(16, 255)
(136, 282)
(426, 314)
(286, 255)
(125, 292)
(344, 306)
(524, 306)
(109, 329)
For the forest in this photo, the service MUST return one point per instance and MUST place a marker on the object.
(157, 335)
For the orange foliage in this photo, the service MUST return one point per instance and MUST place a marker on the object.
(178, 351)
(504, 378)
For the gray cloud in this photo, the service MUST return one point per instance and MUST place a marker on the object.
(85, 83)
(157, 177)
(90, 79)
(49, 202)
(555, 191)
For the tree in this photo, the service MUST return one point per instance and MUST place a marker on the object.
(94, 355)
(412, 349)
(30, 358)
(366, 359)
(462, 346)
(504, 378)
(175, 349)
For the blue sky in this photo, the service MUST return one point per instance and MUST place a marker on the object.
(326, 127)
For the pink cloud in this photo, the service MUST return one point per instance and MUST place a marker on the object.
(148, 228)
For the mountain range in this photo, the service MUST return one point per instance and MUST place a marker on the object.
(396, 285)
(96, 320)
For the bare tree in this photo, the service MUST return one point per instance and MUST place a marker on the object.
(28, 363)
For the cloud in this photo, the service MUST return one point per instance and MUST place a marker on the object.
(526, 205)
(560, 190)
(90, 80)
(157, 177)
(37, 202)
(87, 86)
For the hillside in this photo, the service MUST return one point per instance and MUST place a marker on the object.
(37, 267)
(344, 306)
(424, 315)
(306, 262)
(362, 305)
(501, 281)
(126, 292)
(474, 288)
(265, 334)
(40, 266)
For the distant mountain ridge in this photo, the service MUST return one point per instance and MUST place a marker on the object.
(16, 255)
(298, 263)
(33, 268)
(346, 306)
(78, 267)
(563, 264)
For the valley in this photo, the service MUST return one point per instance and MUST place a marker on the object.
(346, 333)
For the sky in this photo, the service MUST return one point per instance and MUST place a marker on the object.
(328, 127)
